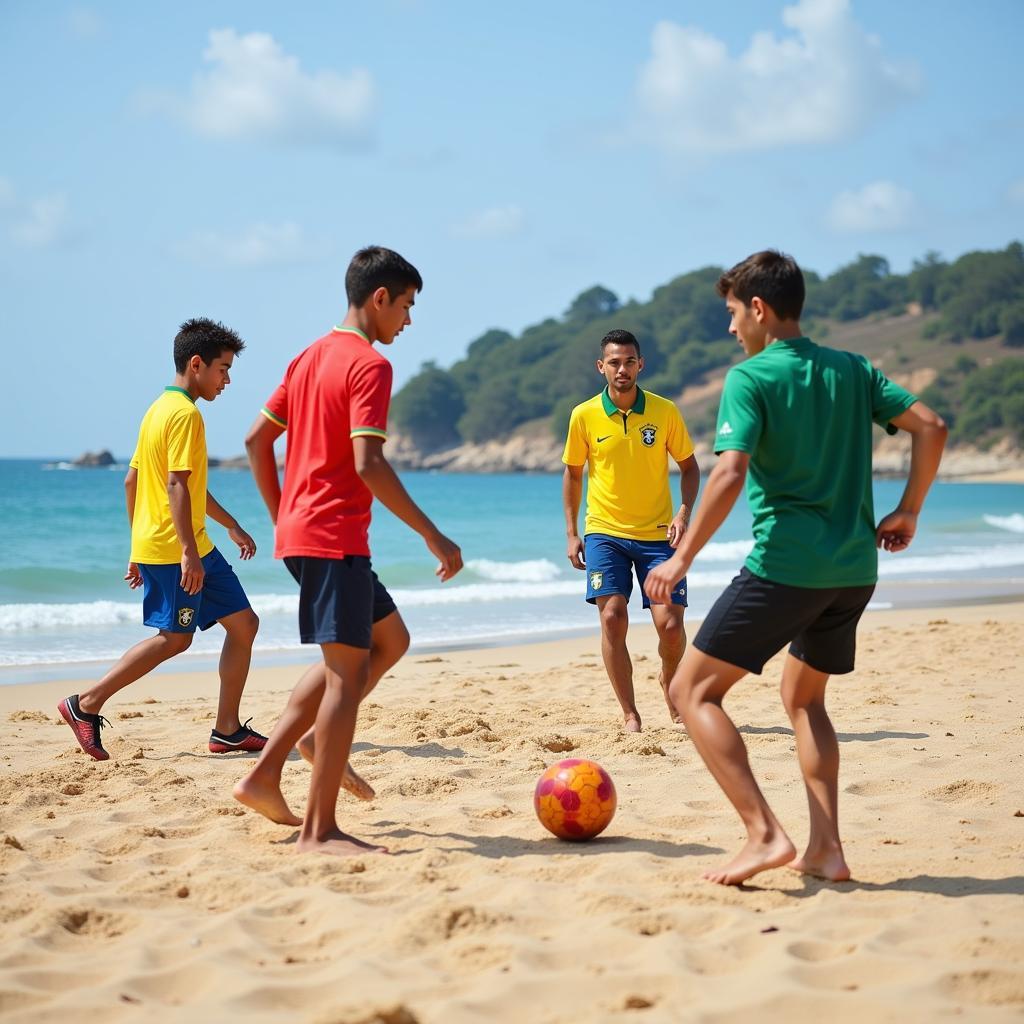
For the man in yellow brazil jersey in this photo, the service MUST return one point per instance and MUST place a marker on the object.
(625, 437)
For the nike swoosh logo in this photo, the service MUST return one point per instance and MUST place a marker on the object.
(605, 438)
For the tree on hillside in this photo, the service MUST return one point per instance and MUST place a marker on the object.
(428, 408)
(593, 303)
(860, 288)
(977, 288)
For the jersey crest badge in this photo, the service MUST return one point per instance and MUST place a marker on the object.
(596, 580)
(185, 616)
(647, 434)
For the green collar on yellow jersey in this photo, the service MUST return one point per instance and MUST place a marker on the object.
(174, 387)
(611, 409)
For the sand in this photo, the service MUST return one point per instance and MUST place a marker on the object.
(136, 889)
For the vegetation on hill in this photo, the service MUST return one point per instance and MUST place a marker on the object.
(506, 380)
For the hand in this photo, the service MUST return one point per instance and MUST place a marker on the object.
(574, 550)
(662, 579)
(447, 553)
(192, 572)
(133, 577)
(677, 527)
(246, 545)
(896, 531)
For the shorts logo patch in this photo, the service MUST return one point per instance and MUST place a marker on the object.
(647, 434)
(596, 580)
(185, 616)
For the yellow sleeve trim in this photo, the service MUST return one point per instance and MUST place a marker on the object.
(369, 432)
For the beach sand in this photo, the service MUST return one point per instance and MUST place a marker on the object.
(137, 889)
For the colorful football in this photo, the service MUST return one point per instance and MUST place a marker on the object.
(575, 799)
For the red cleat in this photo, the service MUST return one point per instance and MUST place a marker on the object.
(86, 727)
(245, 739)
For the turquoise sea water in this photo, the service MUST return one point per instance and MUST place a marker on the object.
(64, 547)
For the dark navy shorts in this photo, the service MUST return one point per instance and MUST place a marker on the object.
(166, 606)
(339, 599)
(755, 618)
(611, 561)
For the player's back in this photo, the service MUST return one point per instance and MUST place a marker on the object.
(329, 390)
(810, 469)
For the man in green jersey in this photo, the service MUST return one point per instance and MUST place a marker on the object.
(797, 417)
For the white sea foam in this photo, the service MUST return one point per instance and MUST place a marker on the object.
(726, 551)
(15, 617)
(1014, 523)
(536, 570)
(1002, 556)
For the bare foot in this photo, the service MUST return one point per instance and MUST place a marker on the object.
(338, 844)
(356, 784)
(754, 857)
(677, 719)
(266, 799)
(830, 865)
(632, 723)
(351, 781)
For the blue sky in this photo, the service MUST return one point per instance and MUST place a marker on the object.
(160, 162)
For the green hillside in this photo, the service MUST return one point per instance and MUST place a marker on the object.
(954, 331)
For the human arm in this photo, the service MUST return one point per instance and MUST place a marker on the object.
(375, 471)
(689, 484)
(572, 495)
(928, 433)
(723, 488)
(259, 445)
(131, 487)
(180, 500)
(219, 514)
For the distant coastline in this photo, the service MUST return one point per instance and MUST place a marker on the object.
(532, 449)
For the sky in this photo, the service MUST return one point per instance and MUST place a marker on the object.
(159, 162)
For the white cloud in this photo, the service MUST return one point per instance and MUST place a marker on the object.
(1015, 191)
(260, 245)
(878, 206)
(253, 90)
(42, 222)
(822, 81)
(496, 222)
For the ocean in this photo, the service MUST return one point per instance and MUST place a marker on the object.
(64, 547)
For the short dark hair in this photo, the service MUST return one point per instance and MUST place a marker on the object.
(204, 338)
(618, 337)
(376, 267)
(773, 277)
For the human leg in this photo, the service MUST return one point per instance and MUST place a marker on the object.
(803, 695)
(136, 662)
(346, 676)
(698, 689)
(668, 621)
(614, 625)
(390, 641)
(240, 630)
(609, 584)
(261, 788)
(82, 711)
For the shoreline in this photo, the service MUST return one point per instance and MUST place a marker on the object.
(991, 593)
(283, 659)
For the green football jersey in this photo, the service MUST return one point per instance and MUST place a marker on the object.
(804, 414)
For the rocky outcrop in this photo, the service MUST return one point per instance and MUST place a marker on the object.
(91, 460)
(535, 451)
